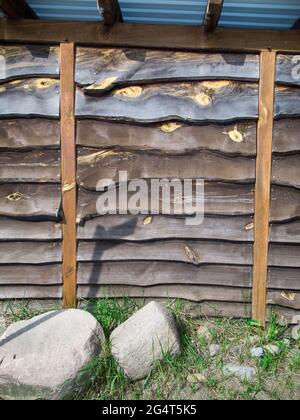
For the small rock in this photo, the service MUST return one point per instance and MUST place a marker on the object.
(272, 349)
(203, 332)
(214, 350)
(242, 372)
(43, 358)
(196, 378)
(144, 339)
(257, 352)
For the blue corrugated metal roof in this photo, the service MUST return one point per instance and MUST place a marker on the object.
(270, 14)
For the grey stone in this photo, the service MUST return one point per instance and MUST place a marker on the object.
(214, 350)
(257, 352)
(3, 325)
(44, 358)
(144, 339)
(272, 349)
(242, 372)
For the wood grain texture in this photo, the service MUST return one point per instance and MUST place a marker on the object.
(286, 136)
(29, 61)
(208, 101)
(174, 138)
(33, 252)
(219, 199)
(32, 97)
(283, 255)
(285, 299)
(178, 37)
(287, 102)
(285, 232)
(106, 164)
(284, 278)
(15, 230)
(107, 68)
(26, 134)
(68, 174)
(284, 204)
(288, 69)
(212, 15)
(30, 292)
(138, 228)
(36, 166)
(263, 181)
(189, 251)
(286, 170)
(49, 274)
(30, 201)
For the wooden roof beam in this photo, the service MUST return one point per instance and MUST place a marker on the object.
(110, 11)
(17, 9)
(212, 15)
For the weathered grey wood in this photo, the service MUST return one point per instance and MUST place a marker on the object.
(32, 97)
(14, 230)
(283, 255)
(286, 170)
(173, 138)
(158, 273)
(106, 165)
(284, 204)
(219, 199)
(107, 68)
(30, 201)
(30, 292)
(287, 102)
(286, 136)
(27, 275)
(288, 69)
(191, 101)
(33, 252)
(189, 251)
(35, 166)
(285, 299)
(285, 232)
(142, 228)
(29, 133)
(28, 61)
(284, 278)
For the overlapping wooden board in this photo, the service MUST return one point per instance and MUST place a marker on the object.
(106, 165)
(287, 102)
(48, 274)
(16, 230)
(189, 251)
(34, 166)
(28, 201)
(30, 292)
(33, 252)
(142, 228)
(286, 170)
(109, 67)
(172, 137)
(285, 232)
(219, 199)
(285, 299)
(284, 278)
(286, 137)
(221, 101)
(288, 69)
(27, 134)
(19, 61)
(284, 204)
(32, 97)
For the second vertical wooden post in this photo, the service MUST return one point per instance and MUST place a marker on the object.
(68, 173)
(263, 184)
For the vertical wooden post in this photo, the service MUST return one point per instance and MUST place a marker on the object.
(263, 184)
(68, 173)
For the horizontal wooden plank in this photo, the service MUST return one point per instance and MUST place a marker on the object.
(27, 275)
(286, 136)
(141, 228)
(192, 293)
(29, 133)
(30, 201)
(33, 252)
(287, 102)
(32, 97)
(219, 199)
(158, 273)
(286, 170)
(284, 204)
(148, 36)
(28, 61)
(285, 299)
(189, 251)
(30, 292)
(283, 255)
(285, 232)
(14, 230)
(107, 68)
(107, 164)
(287, 70)
(284, 278)
(210, 101)
(34, 166)
(173, 138)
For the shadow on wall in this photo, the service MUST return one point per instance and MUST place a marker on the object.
(296, 24)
